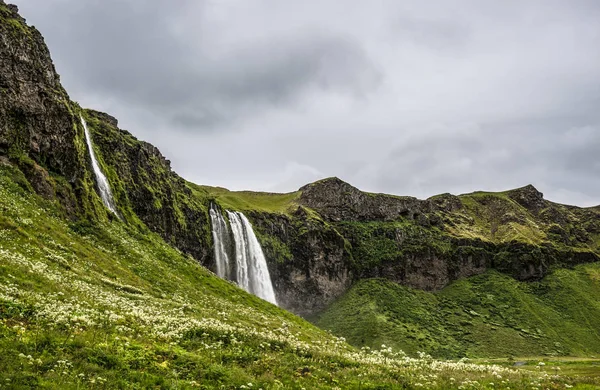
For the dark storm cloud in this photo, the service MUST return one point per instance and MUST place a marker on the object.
(140, 54)
(409, 97)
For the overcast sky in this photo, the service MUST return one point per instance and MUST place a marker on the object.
(405, 97)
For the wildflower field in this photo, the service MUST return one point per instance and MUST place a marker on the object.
(105, 305)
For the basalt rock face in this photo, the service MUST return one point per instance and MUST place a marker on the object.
(337, 200)
(529, 197)
(349, 235)
(39, 129)
(309, 261)
(33, 109)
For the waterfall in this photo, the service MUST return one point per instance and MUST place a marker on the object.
(249, 269)
(221, 239)
(251, 266)
(103, 186)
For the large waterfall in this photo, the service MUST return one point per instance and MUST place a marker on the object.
(250, 267)
(103, 186)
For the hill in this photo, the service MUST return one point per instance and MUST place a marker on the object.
(90, 304)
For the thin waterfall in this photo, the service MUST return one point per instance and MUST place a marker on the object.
(103, 186)
(249, 269)
(221, 238)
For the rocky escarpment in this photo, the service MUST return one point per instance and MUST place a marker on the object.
(309, 261)
(37, 127)
(337, 235)
(336, 200)
(40, 131)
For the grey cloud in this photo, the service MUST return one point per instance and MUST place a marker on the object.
(558, 159)
(133, 53)
(407, 97)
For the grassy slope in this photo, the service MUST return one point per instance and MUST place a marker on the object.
(495, 217)
(248, 200)
(107, 306)
(490, 315)
(484, 210)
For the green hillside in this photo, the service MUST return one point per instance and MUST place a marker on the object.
(491, 315)
(102, 305)
(249, 200)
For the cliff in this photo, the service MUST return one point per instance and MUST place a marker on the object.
(40, 131)
(330, 235)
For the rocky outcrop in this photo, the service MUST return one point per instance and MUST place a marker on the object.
(39, 127)
(337, 200)
(35, 117)
(348, 235)
(40, 131)
(529, 197)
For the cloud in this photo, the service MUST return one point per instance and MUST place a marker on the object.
(139, 55)
(407, 97)
(474, 158)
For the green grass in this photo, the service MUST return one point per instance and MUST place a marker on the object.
(573, 366)
(16, 26)
(104, 305)
(490, 315)
(495, 217)
(248, 200)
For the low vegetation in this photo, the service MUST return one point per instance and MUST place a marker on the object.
(248, 200)
(101, 305)
(490, 315)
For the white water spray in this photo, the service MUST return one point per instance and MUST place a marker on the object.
(221, 239)
(103, 186)
(250, 267)
(252, 272)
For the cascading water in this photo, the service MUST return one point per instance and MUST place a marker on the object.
(252, 272)
(221, 239)
(250, 267)
(103, 186)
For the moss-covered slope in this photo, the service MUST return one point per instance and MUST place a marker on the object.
(490, 315)
(99, 305)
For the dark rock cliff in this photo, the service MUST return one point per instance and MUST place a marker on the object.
(315, 266)
(146, 188)
(40, 131)
(337, 200)
(350, 235)
(37, 125)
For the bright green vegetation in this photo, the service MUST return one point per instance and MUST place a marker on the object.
(565, 366)
(490, 315)
(498, 218)
(102, 305)
(374, 243)
(18, 28)
(248, 200)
